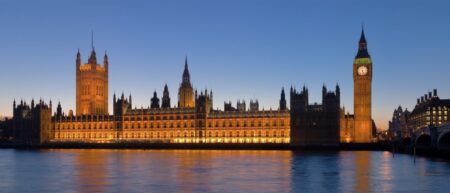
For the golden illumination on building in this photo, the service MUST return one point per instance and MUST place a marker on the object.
(186, 92)
(357, 128)
(176, 126)
(193, 121)
(91, 86)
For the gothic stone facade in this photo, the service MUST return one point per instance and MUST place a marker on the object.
(91, 86)
(193, 121)
(315, 124)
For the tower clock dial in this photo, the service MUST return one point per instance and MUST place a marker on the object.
(362, 70)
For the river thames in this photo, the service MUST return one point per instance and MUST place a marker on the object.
(218, 171)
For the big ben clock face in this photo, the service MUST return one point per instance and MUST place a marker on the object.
(362, 70)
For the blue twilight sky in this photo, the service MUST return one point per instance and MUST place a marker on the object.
(240, 49)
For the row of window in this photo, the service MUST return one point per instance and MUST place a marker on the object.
(165, 125)
(146, 118)
(164, 117)
(99, 90)
(145, 135)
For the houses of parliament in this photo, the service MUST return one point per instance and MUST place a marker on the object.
(194, 120)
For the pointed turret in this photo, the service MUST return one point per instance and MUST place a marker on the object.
(362, 50)
(105, 61)
(186, 75)
(93, 56)
(282, 100)
(154, 101)
(78, 61)
(338, 93)
(59, 110)
(130, 100)
(363, 37)
(165, 98)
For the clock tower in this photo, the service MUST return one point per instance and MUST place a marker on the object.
(362, 78)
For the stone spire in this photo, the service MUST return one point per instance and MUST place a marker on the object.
(105, 60)
(93, 57)
(78, 61)
(282, 100)
(165, 98)
(185, 92)
(362, 50)
(186, 75)
(154, 101)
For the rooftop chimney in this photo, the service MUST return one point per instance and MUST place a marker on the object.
(435, 92)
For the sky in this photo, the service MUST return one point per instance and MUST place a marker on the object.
(240, 49)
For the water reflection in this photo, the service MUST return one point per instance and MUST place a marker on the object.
(217, 171)
(315, 171)
(362, 168)
(90, 171)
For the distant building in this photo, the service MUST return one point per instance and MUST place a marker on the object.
(227, 106)
(254, 106)
(240, 106)
(315, 124)
(429, 110)
(398, 125)
(5, 128)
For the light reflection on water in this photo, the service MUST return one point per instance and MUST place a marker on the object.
(218, 171)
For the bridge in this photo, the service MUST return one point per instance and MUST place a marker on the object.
(432, 137)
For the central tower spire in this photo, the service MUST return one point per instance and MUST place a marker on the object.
(186, 92)
(93, 57)
(186, 76)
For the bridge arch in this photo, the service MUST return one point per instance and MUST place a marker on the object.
(423, 141)
(444, 141)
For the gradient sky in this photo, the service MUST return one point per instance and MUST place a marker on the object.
(240, 49)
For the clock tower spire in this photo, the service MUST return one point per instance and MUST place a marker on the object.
(362, 79)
